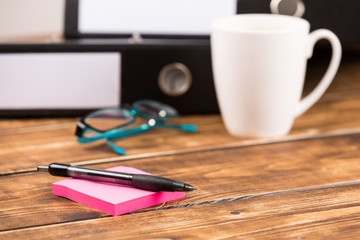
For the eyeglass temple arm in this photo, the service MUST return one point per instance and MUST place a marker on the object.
(115, 134)
(142, 128)
(96, 137)
(183, 127)
(122, 134)
(117, 149)
(129, 132)
(145, 127)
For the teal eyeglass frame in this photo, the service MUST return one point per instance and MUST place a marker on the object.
(154, 111)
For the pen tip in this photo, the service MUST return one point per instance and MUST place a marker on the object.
(188, 187)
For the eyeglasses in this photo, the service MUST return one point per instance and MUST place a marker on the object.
(114, 123)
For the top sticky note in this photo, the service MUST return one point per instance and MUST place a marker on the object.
(114, 199)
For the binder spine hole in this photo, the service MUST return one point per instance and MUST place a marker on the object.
(175, 79)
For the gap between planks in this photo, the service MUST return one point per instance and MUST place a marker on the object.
(241, 144)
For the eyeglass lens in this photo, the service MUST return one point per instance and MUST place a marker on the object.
(153, 109)
(107, 119)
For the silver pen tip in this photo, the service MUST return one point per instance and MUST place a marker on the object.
(188, 187)
(43, 168)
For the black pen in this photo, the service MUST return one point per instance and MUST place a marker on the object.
(142, 181)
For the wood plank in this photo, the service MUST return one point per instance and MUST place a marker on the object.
(22, 149)
(13, 125)
(332, 213)
(221, 174)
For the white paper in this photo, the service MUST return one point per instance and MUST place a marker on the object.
(163, 17)
(59, 80)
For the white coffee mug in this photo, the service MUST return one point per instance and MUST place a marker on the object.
(259, 64)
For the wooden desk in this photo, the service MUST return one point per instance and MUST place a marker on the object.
(301, 186)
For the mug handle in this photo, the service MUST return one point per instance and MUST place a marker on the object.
(320, 89)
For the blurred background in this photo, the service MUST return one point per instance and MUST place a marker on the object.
(37, 26)
(31, 20)
(44, 19)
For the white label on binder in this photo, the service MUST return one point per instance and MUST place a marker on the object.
(159, 17)
(59, 80)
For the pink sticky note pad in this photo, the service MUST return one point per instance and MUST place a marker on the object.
(114, 199)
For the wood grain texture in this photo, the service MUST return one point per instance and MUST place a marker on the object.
(25, 148)
(331, 213)
(13, 126)
(218, 175)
